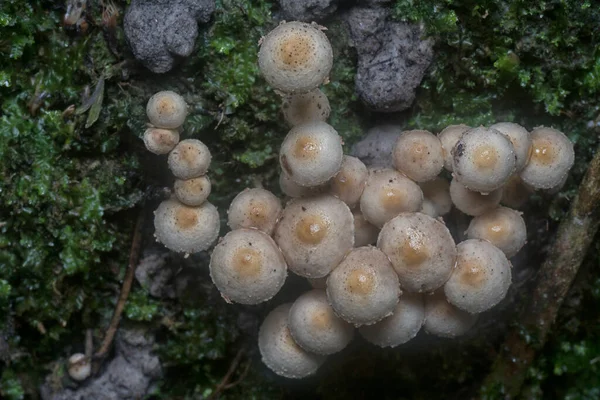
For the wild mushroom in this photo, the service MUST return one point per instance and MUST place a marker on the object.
(418, 155)
(515, 193)
(166, 110)
(189, 159)
(437, 192)
(300, 108)
(503, 227)
(348, 184)
(520, 139)
(160, 141)
(79, 367)
(445, 320)
(292, 189)
(449, 137)
(365, 233)
(254, 208)
(473, 203)
(192, 192)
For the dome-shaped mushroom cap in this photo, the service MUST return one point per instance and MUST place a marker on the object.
(520, 139)
(401, 326)
(193, 192)
(348, 184)
(515, 193)
(311, 153)
(437, 192)
(418, 155)
(481, 279)
(365, 233)
(186, 229)
(314, 234)
(315, 327)
(363, 288)
(502, 227)
(421, 249)
(255, 208)
(473, 203)
(449, 137)
(295, 57)
(189, 159)
(300, 108)
(552, 157)
(280, 352)
(483, 159)
(79, 367)
(387, 194)
(292, 189)
(445, 320)
(247, 267)
(166, 109)
(160, 141)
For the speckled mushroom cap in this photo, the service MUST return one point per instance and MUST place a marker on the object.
(418, 155)
(552, 157)
(315, 327)
(349, 183)
(515, 193)
(292, 189)
(280, 352)
(193, 192)
(247, 267)
(421, 250)
(437, 191)
(363, 288)
(186, 229)
(314, 234)
(255, 208)
(311, 153)
(189, 159)
(401, 326)
(365, 233)
(483, 159)
(166, 109)
(300, 108)
(503, 227)
(295, 57)
(520, 139)
(449, 137)
(445, 320)
(160, 141)
(473, 203)
(387, 194)
(481, 279)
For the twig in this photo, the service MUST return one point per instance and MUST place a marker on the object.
(223, 385)
(575, 234)
(89, 344)
(242, 376)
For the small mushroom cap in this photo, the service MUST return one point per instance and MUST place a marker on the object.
(295, 57)
(449, 137)
(473, 203)
(401, 326)
(255, 208)
(421, 249)
(193, 192)
(349, 183)
(552, 157)
(515, 193)
(481, 279)
(280, 352)
(315, 327)
(483, 159)
(314, 234)
(247, 267)
(311, 153)
(300, 108)
(166, 109)
(363, 288)
(387, 194)
(437, 192)
(186, 229)
(292, 189)
(160, 141)
(445, 320)
(428, 208)
(418, 155)
(365, 233)
(189, 159)
(520, 139)
(79, 367)
(503, 227)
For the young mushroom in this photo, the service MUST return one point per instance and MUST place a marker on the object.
(166, 110)
(437, 192)
(443, 319)
(193, 192)
(254, 208)
(160, 141)
(348, 184)
(189, 159)
(292, 189)
(300, 108)
(79, 367)
(418, 155)
(449, 137)
(503, 227)
(473, 203)
(515, 193)
(365, 233)
(520, 139)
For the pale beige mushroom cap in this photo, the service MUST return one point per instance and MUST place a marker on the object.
(160, 141)
(255, 208)
(166, 109)
(520, 139)
(349, 183)
(503, 227)
(193, 192)
(449, 136)
(515, 193)
(365, 233)
(418, 155)
(437, 192)
(473, 203)
(292, 189)
(300, 108)
(189, 159)
(79, 367)
(445, 320)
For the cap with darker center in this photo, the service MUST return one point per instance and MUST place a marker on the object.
(306, 148)
(543, 151)
(486, 156)
(321, 319)
(361, 281)
(312, 229)
(295, 51)
(471, 272)
(166, 105)
(247, 262)
(258, 212)
(392, 199)
(413, 249)
(186, 217)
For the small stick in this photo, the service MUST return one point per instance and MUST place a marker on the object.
(223, 385)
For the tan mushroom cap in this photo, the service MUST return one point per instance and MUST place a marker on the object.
(449, 137)
(363, 288)
(445, 320)
(189, 159)
(551, 159)
(348, 184)
(481, 279)
(166, 109)
(473, 203)
(280, 352)
(418, 155)
(295, 57)
(247, 267)
(387, 194)
(314, 234)
(483, 160)
(292, 189)
(421, 249)
(193, 192)
(437, 192)
(160, 141)
(401, 326)
(186, 229)
(315, 327)
(255, 208)
(503, 227)
(300, 108)
(520, 139)
(515, 193)
(365, 233)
